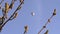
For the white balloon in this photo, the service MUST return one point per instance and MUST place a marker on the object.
(32, 13)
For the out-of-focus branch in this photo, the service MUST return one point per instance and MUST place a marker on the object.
(41, 29)
(12, 4)
(19, 7)
(22, 1)
(15, 15)
(26, 29)
(54, 13)
(12, 15)
(46, 32)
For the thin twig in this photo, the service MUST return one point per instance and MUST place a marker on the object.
(11, 16)
(40, 30)
(45, 24)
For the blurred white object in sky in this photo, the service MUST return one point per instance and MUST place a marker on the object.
(32, 13)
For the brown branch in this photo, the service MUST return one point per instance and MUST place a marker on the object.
(40, 30)
(26, 29)
(46, 32)
(54, 13)
(44, 25)
(11, 16)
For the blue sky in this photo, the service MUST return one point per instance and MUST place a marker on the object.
(43, 10)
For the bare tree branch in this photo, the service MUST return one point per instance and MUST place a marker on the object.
(54, 13)
(19, 7)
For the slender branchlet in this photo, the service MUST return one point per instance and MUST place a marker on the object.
(5, 11)
(46, 32)
(26, 29)
(48, 21)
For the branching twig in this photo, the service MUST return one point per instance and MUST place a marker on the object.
(11, 16)
(19, 7)
(54, 13)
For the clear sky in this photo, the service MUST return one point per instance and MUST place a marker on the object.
(43, 10)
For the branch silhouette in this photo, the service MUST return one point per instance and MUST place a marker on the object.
(18, 8)
(54, 13)
(26, 29)
(14, 15)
